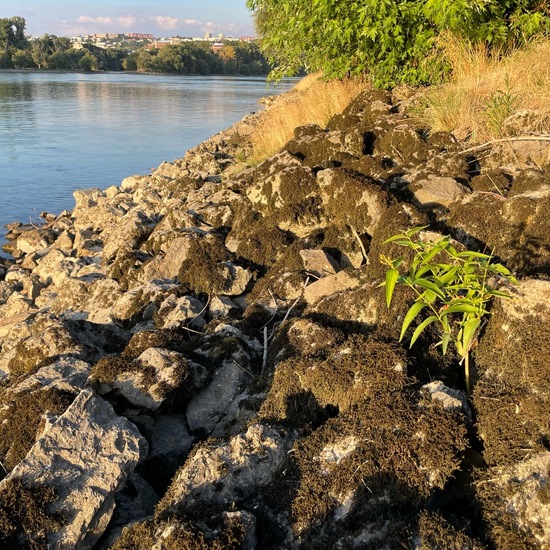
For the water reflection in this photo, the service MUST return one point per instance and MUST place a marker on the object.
(64, 131)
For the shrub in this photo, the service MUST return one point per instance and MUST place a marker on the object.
(393, 41)
(455, 287)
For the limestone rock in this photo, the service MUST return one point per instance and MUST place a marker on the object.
(437, 191)
(450, 399)
(147, 381)
(104, 450)
(221, 306)
(34, 240)
(126, 234)
(142, 301)
(65, 373)
(512, 394)
(174, 312)
(210, 410)
(319, 262)
(517, 503)
(352, 200)
(228, 472)
(167, 265)
(329, 285)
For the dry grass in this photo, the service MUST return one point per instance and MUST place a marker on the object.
(485, 90)
(312, 101)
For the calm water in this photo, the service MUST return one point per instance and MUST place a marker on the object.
(65, 131)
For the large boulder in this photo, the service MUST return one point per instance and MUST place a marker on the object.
(86, 474)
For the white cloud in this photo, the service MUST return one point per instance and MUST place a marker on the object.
(124, 21)
(127, 21)
(85, 24)
(167, 23)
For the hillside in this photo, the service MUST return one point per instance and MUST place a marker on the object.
(203, 356)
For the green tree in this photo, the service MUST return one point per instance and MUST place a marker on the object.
(392, 40)
(12, 33)
(88, 62)
(22, 59)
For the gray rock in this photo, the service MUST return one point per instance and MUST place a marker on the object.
(319, 262)
(87, 455)
(517, 499)
(329, 285)
(437, 191)
(65, 373)
(167, 265)
(229, 472)
(210, 410)
(221, 306)
(450, 399)
(175, 312)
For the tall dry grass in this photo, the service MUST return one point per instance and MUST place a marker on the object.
(312, 101)
(484, 90)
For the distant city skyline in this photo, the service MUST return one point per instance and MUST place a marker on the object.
(163, 18)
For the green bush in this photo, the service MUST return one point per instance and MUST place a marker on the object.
(454, 287)
(393, 41)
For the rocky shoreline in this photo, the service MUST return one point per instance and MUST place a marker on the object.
(203, 357)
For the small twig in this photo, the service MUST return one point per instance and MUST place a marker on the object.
(505, 140)
(192, 330)
(205, 306)
(356, 235)
(275, 307)
(266, 342)
(398, 152)
(242, 368)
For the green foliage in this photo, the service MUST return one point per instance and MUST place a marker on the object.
(454, 287)
(198, 58)
(54, 52)
(500, 106)
(393, 41)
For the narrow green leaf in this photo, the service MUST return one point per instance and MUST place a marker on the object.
(425, 269)
(461, 308)
(433, 252)
(449, 275)
(472, 254)
(499, 293)
(414, 310)
(469, 329)
(397, 262)
(424, 283)
(391, 279)
(394, 238)
(445, 342)
(416, 229)
(428, 296)
(499, 268)
(420, 328)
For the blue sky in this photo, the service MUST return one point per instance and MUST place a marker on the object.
(161, 18)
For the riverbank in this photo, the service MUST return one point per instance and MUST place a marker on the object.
(203, 356)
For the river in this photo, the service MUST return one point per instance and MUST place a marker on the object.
(65, 131)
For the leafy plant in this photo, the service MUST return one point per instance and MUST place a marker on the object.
(455, 287)
(499, 106)
(391, 41)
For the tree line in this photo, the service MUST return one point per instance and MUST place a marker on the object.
(54, 52)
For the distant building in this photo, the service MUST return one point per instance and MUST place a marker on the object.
(208, 36)
(217, 46)
(140, 36)
(247, 38)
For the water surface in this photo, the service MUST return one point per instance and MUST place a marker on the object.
(65, 131)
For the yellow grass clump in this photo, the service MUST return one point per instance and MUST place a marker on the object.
(312, 101)
(486, 88)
